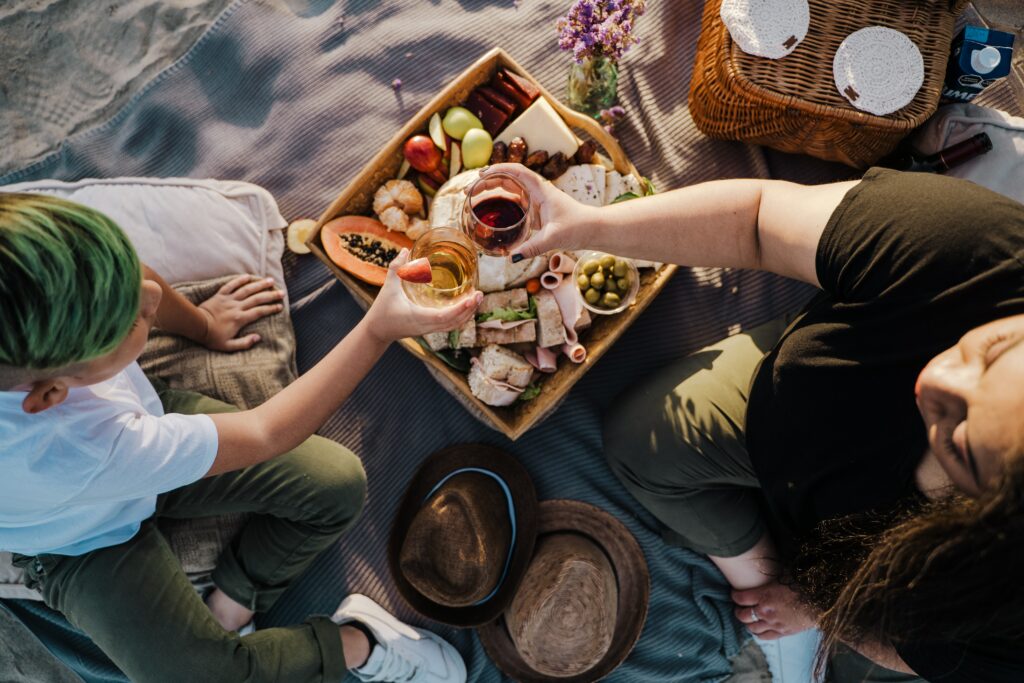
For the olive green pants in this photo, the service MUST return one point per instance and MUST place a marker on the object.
(136, 603)
(676, 441)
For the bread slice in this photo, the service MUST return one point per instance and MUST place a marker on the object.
(503, 365)
(439, 341)
(516, 299)
(525, 332)
(550, 328)
(490, 391)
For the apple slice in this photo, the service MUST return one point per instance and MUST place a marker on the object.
(456, 164)
(428, 185)
(417, 271)
(403, 170)
(437, 133)
(298, 232)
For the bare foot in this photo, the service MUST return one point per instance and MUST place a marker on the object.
(355, 646)
(228, 613)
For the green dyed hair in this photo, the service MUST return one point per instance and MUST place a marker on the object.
(70, 283)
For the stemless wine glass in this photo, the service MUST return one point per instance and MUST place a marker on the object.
(498, 214)
(453, 267)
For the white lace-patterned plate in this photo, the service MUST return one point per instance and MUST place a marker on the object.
(878, 70)
(766, 28)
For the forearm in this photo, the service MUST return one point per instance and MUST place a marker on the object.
(756, 567)
(176, 314)
(710, 224)
(291, 416)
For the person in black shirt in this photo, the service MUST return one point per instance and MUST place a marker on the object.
(859, 467)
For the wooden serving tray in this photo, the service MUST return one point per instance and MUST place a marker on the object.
(357, 198)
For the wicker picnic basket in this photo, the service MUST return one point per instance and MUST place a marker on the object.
(792, 104)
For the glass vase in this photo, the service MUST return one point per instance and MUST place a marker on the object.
(593, 85)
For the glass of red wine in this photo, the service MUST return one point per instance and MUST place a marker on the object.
(498, 214)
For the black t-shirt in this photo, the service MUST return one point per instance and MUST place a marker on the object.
(908, 262)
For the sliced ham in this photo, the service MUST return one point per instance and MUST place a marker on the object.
(569, 303)
(550, 280)
(543, 359)
(575, 352)
(504, 324)
(560, 262)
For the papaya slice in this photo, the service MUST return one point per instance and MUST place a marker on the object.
(362, 247)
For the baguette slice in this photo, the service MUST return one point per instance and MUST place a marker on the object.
(551, 329)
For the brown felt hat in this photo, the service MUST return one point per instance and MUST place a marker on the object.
(464, 534)
(581, 606)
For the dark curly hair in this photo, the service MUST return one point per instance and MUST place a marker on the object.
(943, 571)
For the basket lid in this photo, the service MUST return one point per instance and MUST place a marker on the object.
(766, 28)
(878, 70)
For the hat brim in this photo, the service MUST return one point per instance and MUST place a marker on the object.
(433, 470)
(634, 583)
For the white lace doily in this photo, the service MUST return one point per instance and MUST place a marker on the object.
(766, 28)
(878, 70)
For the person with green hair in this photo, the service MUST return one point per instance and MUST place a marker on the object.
(92, 454)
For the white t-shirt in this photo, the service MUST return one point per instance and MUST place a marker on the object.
(85, 474)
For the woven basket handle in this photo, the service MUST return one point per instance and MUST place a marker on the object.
(599, 134)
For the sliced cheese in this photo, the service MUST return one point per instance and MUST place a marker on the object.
(543, 129)
(599, 173)
(612, 186)
(579, 183)
(630, 183)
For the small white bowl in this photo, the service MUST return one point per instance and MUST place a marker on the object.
(627, 300)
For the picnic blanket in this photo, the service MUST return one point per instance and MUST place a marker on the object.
(296, 96)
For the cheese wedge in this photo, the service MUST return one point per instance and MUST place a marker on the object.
(543, 129)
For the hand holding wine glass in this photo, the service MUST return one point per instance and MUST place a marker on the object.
(557, 217)
(393, 316)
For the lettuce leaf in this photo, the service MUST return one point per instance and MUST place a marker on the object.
(531, 392)
(510, 315)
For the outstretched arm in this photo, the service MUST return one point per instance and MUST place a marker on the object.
(293, 415)
(760, 224)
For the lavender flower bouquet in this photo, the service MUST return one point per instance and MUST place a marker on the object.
(598, 33)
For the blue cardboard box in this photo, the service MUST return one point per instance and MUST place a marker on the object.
(979, 57)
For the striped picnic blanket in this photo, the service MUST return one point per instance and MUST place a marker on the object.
(297, 95)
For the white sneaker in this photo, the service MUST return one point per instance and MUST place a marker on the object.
(403, 652)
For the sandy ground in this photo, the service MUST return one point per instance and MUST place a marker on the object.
(67, 65)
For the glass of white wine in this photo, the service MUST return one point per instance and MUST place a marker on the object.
(453, 267)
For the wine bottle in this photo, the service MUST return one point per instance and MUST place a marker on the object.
(943, 160)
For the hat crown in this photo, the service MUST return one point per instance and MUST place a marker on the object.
(563, 617)
(456, 548)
